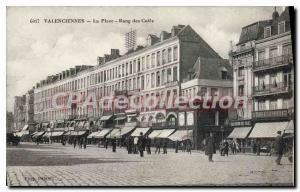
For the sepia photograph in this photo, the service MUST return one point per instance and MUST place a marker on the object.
(164, 96)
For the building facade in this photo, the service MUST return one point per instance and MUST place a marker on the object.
(19, 112)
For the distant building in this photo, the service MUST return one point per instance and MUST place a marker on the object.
(19, 112)
(9, 122)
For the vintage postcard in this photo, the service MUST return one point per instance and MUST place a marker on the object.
(150, 96)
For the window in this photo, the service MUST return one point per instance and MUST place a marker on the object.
(287, 50)
(152, 80)
(157, 79)
(169, 55)
(147, 80)
(142, 82)
(163, 77)
(134, 66)
(202, 92)
(267, 31)
(175, 78)
(148, 62)
(134, 84)
(273, 80)
(286, 104)
(261, 105)
(164, 57)
(158, 58)
(273, 53)
(261, 82)
(138, 83)
(287, 79)
(273, 104)
(169, 75)
(281, 27)
(123, 70)
(143, 63)
(130, 68)
(224, 74)
(153, 60)
(175, 53)
(241, 71)
(261, 55)
(241, 90)
(138, 65)
(214, 92)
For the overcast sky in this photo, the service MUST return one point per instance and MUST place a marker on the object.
(37, 50)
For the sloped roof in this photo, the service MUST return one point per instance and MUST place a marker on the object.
(210, 68)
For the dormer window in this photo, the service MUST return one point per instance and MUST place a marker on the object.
(281, 27)
(224, 73)
(267, 32)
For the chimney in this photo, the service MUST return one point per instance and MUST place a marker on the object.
(114, 52)
(275, 14)
(100, 60)
(164, 35)
(175, 29)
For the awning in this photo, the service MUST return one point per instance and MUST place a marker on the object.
(77, 133)
(138, 131)
(124, 130)
(47, 134)
(154, 133)
(267, 130)
(165, 133)
(102, 133)
(113, 133)
(239, 133)
(92, 134)
(105, 118)
(81, 124)
(120, 118)
(22, 133)
(57, 133)
(181, 135)
(290, 128)
(39, 134)
(25, 128)
(34, 133)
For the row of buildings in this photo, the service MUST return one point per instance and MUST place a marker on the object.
(175, 63)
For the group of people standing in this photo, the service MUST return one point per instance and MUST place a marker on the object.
(80, 141)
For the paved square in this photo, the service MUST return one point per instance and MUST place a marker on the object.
(57, 165)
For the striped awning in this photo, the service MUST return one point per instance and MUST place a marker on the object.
(165, 133)
(57, 133)
(77, 133)
(39, 134)
(154, 133)
(124, 130)
(267, 130)
(120, 118)
(114, 133)
(181, 135)
(102, 133)
(290, 128)
(22, 133)
(105, 118)
(138, 131)
(93, 134)
(239, 133)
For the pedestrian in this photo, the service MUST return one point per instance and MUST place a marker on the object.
(114, 144)
(75, 142)
(225, 148)
(254, 148)
(258, 147)
(157, 146)
(141, 144)
(135, 142)
(84, 142)
(176, 146)
(131, 145)
(279, 146)
(165, 145)
(106, 143)
(209, 147)
(148, 145)
(189, 146)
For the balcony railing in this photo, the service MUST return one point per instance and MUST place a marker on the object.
(271, 88)
(165, 124)
(272, 62)
(267, 114)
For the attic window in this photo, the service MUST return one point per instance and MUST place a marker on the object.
(281, 27)
(224, 73)
(267, 31)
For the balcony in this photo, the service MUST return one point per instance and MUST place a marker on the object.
(277, 114)
(165, 124)
(269, 89)
(283, 60)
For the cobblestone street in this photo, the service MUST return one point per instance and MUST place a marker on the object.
(55, 165)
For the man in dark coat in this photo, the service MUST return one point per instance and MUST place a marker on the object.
(157, 146)
(165, 145)
(148, 145)
(225, 147)
(279, 145)
(141, 144)
(209, 147)
(114, 144)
